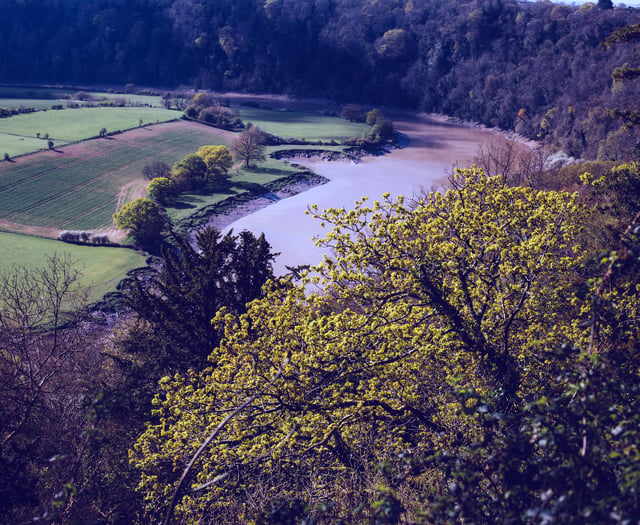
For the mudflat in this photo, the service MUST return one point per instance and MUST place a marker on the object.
(434, 148)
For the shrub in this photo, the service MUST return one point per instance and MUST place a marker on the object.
(101, 238)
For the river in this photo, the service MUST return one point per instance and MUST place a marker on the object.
(434, 148)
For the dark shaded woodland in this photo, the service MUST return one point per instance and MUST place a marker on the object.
(539, 67)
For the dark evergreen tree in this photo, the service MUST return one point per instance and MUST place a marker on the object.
(177, 305)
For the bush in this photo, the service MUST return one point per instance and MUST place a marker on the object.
(101, 238)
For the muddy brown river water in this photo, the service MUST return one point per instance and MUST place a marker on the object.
(434, 148)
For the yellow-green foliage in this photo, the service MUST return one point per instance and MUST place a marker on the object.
(467, 289)
(218, 160)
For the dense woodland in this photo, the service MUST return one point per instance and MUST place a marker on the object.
(537, 67)
(472, 356)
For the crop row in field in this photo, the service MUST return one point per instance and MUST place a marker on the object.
(77, 187)
(102, 268)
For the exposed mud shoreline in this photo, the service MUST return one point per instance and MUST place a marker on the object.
(238, 208)
(431, 148)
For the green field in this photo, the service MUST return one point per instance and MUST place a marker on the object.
(70, 125)
(79, 184)
(76, 188)
(102, 268)
(239, 182)
(16, 145)
(302, 125)
(15, 103)
(42, 97)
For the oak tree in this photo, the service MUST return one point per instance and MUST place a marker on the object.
(309, 393)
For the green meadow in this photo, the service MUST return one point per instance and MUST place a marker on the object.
(16, 103)
(45, 97)
(70, 125)
(102, 268)
(15, 145)
(302, 125)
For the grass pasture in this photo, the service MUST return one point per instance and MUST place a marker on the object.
(76, 187)
(16, 103)
(71, 125)
(240, 181)
(15, 145)
(45, 97)
(302, 125)
(102, 268)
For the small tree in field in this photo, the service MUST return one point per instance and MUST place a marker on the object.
(161, 189)
(143, 217)
(218, 160)
(249, 146)
(194, 165)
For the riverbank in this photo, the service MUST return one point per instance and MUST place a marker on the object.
(239, 208)
(433, 149)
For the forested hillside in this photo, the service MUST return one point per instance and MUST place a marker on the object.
(539, 68)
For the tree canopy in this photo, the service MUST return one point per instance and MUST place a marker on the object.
(441, 323)
(218, 160)
(143, 217)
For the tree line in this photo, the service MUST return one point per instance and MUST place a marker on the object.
(535, 67)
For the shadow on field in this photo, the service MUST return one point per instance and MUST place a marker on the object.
(224, 188)
(252, 187)
(182, 205)
(269, 171)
